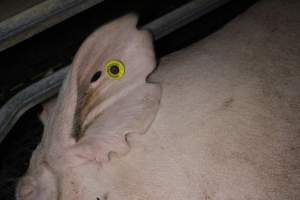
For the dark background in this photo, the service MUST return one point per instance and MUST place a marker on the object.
(29, 61)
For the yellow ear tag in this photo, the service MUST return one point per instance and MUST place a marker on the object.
(115, 69)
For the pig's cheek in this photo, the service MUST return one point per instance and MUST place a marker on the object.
(84, 153)
(95, 150)
(82, 182)
(47, 184)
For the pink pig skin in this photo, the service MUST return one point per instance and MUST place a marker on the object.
(218, 120)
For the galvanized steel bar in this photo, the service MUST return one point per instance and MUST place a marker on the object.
(38, 18)
(182, 16)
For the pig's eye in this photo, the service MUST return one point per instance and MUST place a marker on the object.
(96, 76)
(115, 69)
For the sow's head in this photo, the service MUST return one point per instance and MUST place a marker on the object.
(105, 97)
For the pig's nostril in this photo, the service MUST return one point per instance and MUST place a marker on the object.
(96, 76)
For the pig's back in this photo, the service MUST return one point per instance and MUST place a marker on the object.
(229, 119)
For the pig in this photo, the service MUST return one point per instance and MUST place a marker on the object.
(219, 119)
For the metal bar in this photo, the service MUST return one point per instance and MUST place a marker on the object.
(38, 18)
(27, 98)
(45, 88)
(182, 16)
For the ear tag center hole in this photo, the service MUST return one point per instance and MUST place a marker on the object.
(115, 69)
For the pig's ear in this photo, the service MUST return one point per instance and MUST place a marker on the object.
(112, 103)
(48, 108)
(105, 95)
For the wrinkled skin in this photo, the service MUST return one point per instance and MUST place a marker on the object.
(225, 125)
